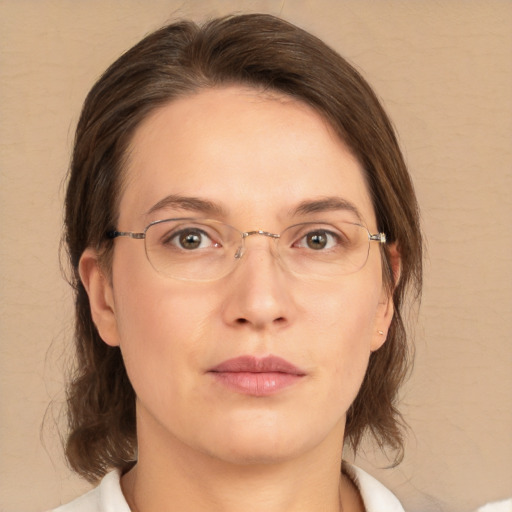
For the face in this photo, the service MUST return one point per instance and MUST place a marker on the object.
(192, 348)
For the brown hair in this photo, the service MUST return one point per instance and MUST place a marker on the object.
(267, 53)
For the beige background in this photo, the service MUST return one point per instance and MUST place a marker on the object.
(443, 69)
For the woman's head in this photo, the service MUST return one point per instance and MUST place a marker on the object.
(269, 61)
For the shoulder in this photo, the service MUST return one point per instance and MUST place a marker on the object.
(107, 497)
(376, 497)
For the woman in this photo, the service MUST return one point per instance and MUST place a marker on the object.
(243, 231)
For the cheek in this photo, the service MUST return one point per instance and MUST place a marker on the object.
(161, 319)
(160, 323)
(343, 329)
(346, 312)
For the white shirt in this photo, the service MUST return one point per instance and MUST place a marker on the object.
(108, 497)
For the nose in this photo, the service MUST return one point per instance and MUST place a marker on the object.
(258, 292)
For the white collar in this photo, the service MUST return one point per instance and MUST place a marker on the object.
(376, 497)
(108, 496)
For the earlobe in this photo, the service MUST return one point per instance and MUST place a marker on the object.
(386, 308)
(101, 297)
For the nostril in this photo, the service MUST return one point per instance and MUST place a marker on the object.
(242, 321)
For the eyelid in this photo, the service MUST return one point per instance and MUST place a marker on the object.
(206, 229)
(174, 237)
(320, 225)
(199, 227)
(209, 226)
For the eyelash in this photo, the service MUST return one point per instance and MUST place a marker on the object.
(337, 239)
(175, 239)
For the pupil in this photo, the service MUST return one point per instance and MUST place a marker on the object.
(190, 240)
(316, 241)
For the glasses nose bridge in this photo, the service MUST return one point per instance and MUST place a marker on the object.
(247, 234)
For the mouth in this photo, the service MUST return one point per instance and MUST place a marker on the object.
(255, 376)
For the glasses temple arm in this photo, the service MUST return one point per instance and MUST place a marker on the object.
(131, 234)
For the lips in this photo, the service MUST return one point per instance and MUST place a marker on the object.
(257, 376)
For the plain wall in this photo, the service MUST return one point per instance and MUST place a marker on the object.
(444, 72)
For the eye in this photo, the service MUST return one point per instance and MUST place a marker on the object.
(319, 240)
(190, 239)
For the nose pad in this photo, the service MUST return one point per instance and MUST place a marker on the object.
(274, 251)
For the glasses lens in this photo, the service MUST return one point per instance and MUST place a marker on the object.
(191, 249)
(203, 250)
(332, 249)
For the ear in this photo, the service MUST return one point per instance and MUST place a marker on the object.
(101, 297)
(386, 308)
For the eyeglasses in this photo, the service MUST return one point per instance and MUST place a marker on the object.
(206, 250)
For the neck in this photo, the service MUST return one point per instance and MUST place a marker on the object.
(171, 476)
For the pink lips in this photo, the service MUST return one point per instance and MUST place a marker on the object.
(257, 376)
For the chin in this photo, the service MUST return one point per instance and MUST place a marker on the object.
(256, 455)
(261, 445)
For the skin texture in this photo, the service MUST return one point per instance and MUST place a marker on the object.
(203, 446)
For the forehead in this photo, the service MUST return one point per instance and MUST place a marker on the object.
(254, 154)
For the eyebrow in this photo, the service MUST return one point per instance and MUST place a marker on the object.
(326, 204)
(194, 204)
